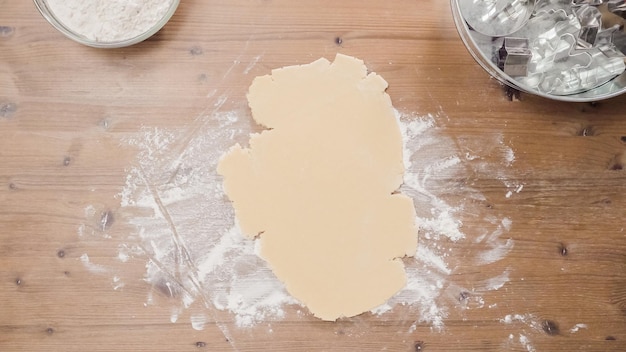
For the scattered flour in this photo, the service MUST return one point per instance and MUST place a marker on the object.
(117, 283)
(526, 343)
(524, 319)
(577, 327)
(495, 283)
(509, 155)
(198, 321)
(529, 324)
(93, 268)
(194, 252)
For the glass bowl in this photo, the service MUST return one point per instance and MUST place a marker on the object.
(485, 49)
(46, 11)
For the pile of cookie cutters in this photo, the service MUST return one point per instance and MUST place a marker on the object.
(554, 47)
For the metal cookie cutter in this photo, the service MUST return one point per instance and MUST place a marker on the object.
(590, 19)
(576, 3)
(553, 5)
(605, 37)
(567, 53)
(514, 56)
(496, 18)
(617, 7)
(575, 70)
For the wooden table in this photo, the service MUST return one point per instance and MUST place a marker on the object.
(66, 110)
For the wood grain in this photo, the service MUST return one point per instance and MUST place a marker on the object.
(64, 109)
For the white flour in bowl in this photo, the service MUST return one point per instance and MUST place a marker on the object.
(109, 20)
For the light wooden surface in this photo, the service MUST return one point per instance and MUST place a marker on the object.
(64, 108)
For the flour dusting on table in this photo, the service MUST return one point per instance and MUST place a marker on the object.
(184, 226)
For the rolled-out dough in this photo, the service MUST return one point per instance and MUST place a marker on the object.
(319, 186)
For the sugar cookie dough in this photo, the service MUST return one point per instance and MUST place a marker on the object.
(319, 186)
